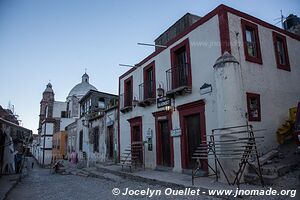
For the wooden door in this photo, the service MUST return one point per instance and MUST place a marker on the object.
(165, 143)
(193, 134)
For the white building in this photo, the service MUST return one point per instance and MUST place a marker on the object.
(96, 137)
(56, 115)
(209, 88)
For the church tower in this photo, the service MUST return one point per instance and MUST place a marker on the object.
(46, 105)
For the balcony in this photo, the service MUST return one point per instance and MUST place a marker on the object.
(95, 113)
(125, 104)
(146, 96)
(179, 81)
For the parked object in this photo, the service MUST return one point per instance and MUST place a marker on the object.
(287, 128)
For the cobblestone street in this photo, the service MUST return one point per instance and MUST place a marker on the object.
(40, 184)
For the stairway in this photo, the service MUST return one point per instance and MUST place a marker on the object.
(275, 164)
(133, 156)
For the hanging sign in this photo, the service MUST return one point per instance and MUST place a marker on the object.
(163, 101)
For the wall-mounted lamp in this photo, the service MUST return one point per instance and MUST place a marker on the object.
(160, 91)
(168, 108)
(134, 102)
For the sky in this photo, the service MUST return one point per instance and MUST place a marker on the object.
(55, 40)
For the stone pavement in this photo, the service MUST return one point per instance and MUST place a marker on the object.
(40, 184)
(177, 180)
(8, 182)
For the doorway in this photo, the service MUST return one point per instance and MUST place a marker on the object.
(164, 141)
(193, 135)
(136, 149)
(165, 149)
(136, 139)
(110, 142)
(192, 123)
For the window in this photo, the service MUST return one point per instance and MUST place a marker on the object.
(128, 92)
(149, 81)
(101, 103)
(96, 139)
(281, 52)
(80, 140)
(253, 105)
(63, 114)
(251, 42)
(181, 67)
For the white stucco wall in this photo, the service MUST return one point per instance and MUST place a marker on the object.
(58, 107)
(203, 56)
(279, 89)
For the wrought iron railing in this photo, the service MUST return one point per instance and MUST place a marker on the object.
(141, 92)
(178, 76)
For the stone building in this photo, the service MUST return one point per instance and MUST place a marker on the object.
(227, 69)
(96, 138)
(56, 115)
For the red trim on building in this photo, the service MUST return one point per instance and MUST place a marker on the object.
(261, 22)
(224, 31)
(185, 43)
(119, 146)
(285, 66)
(221, 8)
(158, 136)
(136, 121)
(250, 117)
(248, 25)
(197, 107)
(146, 81)
(126, 103)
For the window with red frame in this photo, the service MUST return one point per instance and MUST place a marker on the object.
(253, 105)
(181, 68)
(128, 92)
(251, 42)
(281, 51)
(149, 81)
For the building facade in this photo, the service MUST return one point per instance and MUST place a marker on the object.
(96, 139)
(227, 69)
(14, 145)
(55, 116)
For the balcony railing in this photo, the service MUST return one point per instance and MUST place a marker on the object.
(146, 96)
(125, 104)
(178, 79)
(141, 92)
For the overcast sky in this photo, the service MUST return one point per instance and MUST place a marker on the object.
(42, 40)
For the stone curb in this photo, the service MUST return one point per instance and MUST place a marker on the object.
(157, 182)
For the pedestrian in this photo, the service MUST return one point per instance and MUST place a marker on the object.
(32, 165)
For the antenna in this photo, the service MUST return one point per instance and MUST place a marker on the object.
(85, 70)
(281, 16)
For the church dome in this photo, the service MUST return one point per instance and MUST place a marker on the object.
(82, 88)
